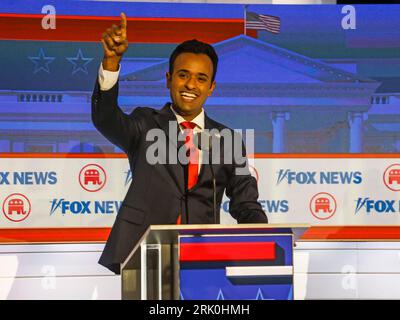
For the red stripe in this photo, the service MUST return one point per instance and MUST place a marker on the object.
(62, 155)
(54, 235)
(57, 235)
(324, 155)
(256, 156)
(140, 30)
(239, 251)
(374, 233)
(114, 18)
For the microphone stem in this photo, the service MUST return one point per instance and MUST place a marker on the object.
(214, 185)
(215, 200)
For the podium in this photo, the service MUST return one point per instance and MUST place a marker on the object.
(212, 262)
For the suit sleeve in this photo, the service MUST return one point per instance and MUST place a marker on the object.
(119, 128)
(242, 191)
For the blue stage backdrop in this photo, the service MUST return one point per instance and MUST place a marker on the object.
(327, 81)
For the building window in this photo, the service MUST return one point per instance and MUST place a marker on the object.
(104, 149)
(39, 148)
(380, 99)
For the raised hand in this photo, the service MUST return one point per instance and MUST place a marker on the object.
(115, 43)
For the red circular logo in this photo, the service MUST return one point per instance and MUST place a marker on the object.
(254, 172)
(16, 207)
(391, 177)
(323, 206)
(92, 177)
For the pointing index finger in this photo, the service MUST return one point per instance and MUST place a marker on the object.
(123, 23)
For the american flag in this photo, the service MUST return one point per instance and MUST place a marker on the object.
(263, 22)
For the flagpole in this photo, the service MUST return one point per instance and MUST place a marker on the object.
(245, 17)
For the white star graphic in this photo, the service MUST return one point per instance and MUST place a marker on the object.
(290, 295)
(259, 295)
(41, 62)
(79, 62)
(220, 295)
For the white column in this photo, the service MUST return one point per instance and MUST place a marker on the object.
(279, 131)
(63, 147)
(74, 146)
(88, 147)
(356, 122)
(18, 147)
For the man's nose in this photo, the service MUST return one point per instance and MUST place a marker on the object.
(190, 83)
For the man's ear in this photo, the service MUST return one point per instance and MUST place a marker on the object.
(212, 87)
(168, 78)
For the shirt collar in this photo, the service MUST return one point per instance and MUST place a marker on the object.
(199, 120)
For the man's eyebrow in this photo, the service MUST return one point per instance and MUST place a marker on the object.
(203, 74)
(200, 73)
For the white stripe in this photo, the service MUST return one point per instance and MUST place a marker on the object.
(272, 23)
(259, 271)
(257, 26)
(262, 26)
(270, 20)
(273, 27)
(255, 23)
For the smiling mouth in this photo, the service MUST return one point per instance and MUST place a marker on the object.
(187, 96)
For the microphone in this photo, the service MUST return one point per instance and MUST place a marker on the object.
(203, 141)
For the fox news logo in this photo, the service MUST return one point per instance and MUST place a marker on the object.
(323, 206)
(269, 206)
(314, 177)
(391, 177)
(28, 178)
(92, 177)
(128, 177)
(84, 207)
(378, 206)
(16, 207)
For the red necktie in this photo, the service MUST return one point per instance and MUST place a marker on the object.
(193, 166)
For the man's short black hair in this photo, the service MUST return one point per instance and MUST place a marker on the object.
(194, 46)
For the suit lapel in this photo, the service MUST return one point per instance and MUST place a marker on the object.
(176, 171)
(205, 172)
(166, 120)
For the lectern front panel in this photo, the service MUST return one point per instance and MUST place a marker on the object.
(239, 267)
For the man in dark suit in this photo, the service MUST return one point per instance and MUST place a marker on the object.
(168, 192)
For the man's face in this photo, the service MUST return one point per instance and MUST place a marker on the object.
(190, 83)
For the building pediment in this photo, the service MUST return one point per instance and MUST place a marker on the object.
(247, 60)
